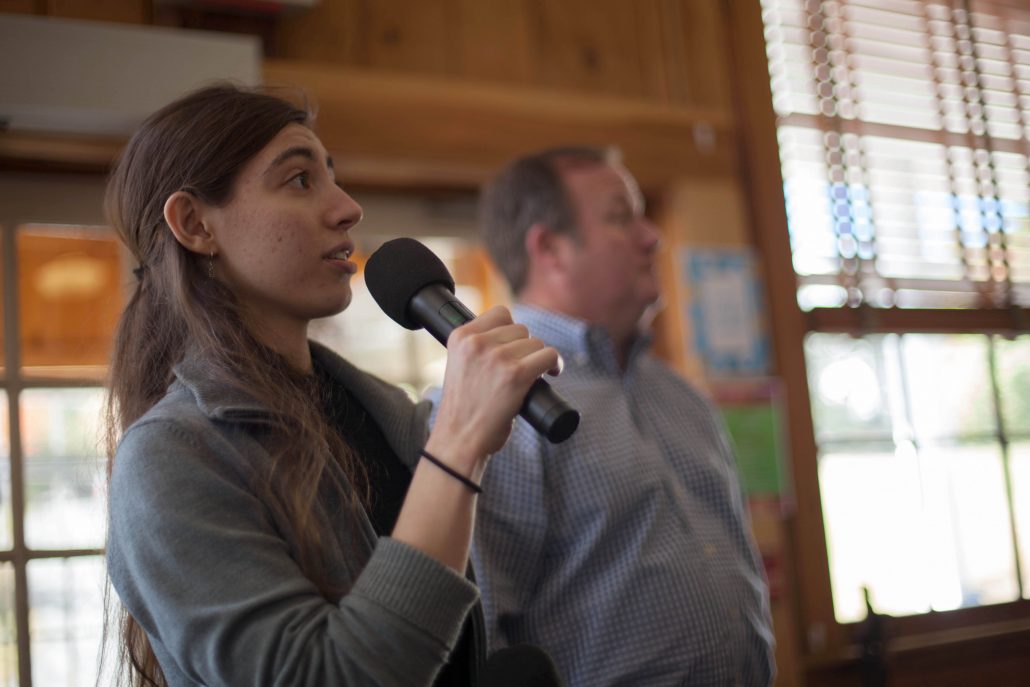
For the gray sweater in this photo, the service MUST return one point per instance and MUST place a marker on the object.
(198, 561)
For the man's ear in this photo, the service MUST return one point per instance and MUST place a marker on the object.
(543, 246)
(184, 215)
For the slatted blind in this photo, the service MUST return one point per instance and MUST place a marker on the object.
(904, 131)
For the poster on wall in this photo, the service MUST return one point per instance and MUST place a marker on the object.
(725, 311)
(753, 417)
(754, 430)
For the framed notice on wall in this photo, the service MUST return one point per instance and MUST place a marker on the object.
(725, 311)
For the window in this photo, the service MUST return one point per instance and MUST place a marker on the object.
(904, 135)
(61, 300)
(921, 473)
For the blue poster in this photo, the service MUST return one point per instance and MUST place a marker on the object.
(725, 311)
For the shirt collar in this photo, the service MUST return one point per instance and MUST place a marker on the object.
(579, 341)
(220, 401)
(215, 399)
(405, 425)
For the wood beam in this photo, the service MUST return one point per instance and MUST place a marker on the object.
(57, 152)
(399, 129)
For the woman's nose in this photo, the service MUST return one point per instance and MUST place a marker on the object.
(346, 212)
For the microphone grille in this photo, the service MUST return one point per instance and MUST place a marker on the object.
(398, 270)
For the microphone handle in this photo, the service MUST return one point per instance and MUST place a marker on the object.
(440, 312)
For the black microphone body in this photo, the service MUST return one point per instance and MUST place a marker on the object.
(413, 287)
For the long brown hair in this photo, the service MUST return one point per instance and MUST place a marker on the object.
(200, 143)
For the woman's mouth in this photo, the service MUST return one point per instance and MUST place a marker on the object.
(340, 259)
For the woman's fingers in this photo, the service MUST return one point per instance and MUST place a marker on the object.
(543, 360)
(558, 368)
(494, 317)
(497, 325)
(491, 364)
(508, 343)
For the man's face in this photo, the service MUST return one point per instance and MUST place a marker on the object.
(610, 261)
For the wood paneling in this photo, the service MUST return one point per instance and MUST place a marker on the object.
(589, 45)
(673, 333)
(663, 51)
(942, 321)
(405, 35)
(389, 127)
(18, 6)
(655, 69)
(394, 129)
(703, 52)
(763, 187)
(329, 33)
(493, 41)
(127, 11)
(694, 211)
(477, 39)
(995, 657)
(58, 153)
(416, 37)
(712, 212)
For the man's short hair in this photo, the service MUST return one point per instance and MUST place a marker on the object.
(527, 191)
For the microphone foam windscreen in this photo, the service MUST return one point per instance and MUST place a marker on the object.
(398, 270)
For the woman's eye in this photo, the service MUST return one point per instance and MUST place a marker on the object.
(301, 180)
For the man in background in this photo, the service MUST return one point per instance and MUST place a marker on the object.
(625, 551)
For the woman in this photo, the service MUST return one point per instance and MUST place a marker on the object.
(271, 521)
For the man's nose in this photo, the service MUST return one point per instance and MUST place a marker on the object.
(649, 234)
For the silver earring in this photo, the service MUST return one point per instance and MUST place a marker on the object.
(211, 265)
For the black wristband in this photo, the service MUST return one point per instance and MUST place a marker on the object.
(452, 472)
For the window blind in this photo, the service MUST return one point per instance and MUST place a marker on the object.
(904, 131)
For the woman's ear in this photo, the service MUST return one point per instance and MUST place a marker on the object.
(184, 215)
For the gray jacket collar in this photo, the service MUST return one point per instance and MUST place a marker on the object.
(403, 423)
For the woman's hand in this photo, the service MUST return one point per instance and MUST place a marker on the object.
(491, 364)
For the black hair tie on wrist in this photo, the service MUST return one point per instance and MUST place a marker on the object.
(452, 472)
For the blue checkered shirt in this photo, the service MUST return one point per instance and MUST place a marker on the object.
(625, 551)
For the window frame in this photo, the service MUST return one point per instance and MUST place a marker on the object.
(29, 200)
(823, 643)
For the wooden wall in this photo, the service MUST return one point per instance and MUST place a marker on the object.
(662, 51)
(463, 85)
(654, 50)
(128, 11)
(421, 94)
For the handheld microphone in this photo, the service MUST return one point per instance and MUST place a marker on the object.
(523, 665)
(415, 289)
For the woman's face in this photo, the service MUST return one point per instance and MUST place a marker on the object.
(283, 239)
